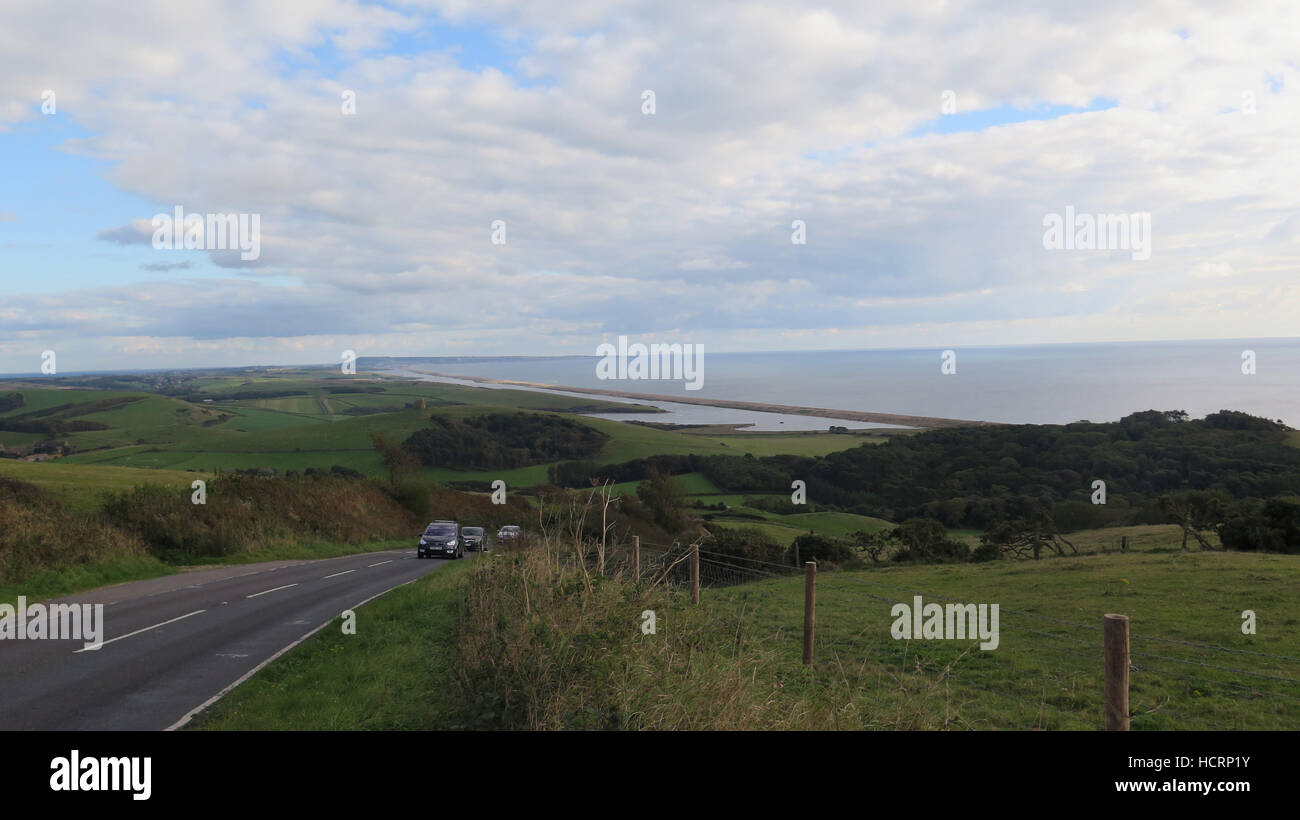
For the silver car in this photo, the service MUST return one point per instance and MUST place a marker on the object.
(508, 533)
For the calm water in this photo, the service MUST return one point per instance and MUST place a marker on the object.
(676, 413)
(1028, 384)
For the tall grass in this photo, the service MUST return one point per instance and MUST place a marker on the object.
(38, 535)
(545, 642)
(243, 513)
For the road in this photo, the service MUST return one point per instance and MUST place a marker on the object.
(173, 644)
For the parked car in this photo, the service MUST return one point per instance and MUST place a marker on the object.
(508, 533)
(473, 538)
(440, 539)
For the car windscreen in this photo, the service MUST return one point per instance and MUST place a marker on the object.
(447, 530)
(471, 531)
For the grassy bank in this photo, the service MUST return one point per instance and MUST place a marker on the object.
(49, 549)
(94, 574)
(397, 672)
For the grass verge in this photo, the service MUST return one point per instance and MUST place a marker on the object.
(396, 672)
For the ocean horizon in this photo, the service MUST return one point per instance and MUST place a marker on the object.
(1023, 384)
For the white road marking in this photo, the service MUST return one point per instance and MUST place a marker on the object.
(138, 631)
(389, 561)
(263, 592)
(337, 574)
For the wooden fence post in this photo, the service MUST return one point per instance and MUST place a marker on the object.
(809, 609)
(1116, 627)
(636, 557)
(695, 573)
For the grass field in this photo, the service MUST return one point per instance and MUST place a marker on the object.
(1047, 670)
(244, 424)
(81, 487)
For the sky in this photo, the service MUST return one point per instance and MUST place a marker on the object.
(918, 149)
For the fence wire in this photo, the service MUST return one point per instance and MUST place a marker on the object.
(1039, 640)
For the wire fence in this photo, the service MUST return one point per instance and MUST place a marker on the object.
(1046, 671)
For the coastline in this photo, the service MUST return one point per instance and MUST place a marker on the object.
(759, 407)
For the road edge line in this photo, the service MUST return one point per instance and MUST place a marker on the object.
(193, 713)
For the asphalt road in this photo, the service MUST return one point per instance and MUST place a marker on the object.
(173, 644)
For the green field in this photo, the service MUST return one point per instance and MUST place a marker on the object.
(1047, 670)
(80, 487)
(219, 430)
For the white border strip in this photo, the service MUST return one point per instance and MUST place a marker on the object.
(190, 715)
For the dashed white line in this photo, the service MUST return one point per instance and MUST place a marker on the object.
(337, 574)
(138, 631)
(389, 561)
(265, 591)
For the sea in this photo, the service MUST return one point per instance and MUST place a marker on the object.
(1022, 384)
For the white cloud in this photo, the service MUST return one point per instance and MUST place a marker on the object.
(618, 220)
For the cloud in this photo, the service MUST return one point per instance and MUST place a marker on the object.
(619, 221)
(713, 264)
(8, 217)
(137, 232)
(166, 266)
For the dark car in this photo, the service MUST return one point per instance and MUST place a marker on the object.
(441, 539)
(473, 538)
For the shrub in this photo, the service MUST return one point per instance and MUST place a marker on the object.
(820, 548)
(413, 495)
(745, 542)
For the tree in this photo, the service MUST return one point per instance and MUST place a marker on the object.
(925, 539)
(873, 544)
(398, 461)
(663, 498)
(1196, 511)
(1024, 537)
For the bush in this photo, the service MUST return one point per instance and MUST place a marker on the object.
(820, 548)
(1273, 526)
(413, 495)
(745, 542)
(943, 552)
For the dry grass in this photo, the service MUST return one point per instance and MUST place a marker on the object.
(545, 643)
(37, 534)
